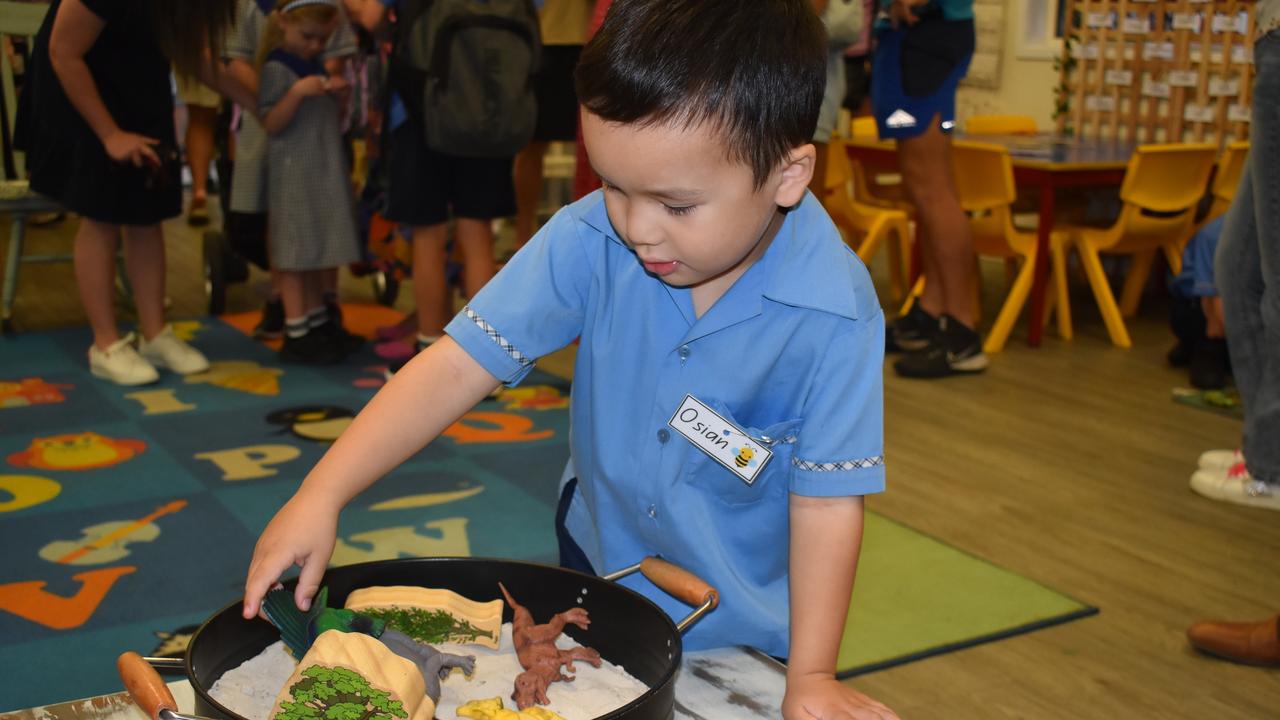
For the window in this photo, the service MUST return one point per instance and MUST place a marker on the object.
(1040, 29)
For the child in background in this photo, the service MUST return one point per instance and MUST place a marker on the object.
(246, 224)
(702, 280)
(309, 198)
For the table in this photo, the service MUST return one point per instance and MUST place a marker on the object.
(1041, 161)
(729, 682)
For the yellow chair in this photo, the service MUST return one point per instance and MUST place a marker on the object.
(864, 128)
(857, 219)
(1162, 186)
(1227, 177)
(1000, 125)
(984, 183)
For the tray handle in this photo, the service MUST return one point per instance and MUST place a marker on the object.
(145, 685)
(677, 582)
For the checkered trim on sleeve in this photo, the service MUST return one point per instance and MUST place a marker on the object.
(861, 464)
(496, 336)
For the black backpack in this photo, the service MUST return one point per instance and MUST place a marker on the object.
(466, 69)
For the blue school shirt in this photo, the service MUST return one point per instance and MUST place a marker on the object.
(792, 353)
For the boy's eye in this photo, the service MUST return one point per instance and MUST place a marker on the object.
(679, 210)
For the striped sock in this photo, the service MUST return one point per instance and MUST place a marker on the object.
(296, 327)
(317, 316)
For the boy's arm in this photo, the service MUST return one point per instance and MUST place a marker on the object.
(428, 395)
(826, 535)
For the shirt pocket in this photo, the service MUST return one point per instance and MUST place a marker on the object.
(708, 478)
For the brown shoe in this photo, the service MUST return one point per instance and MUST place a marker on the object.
(1256, 643)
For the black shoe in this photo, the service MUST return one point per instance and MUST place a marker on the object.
(314, 348)
(345, 341)
(333, 311)
(911, 331)
(955, 350)
(271, 326)
(1209, 364)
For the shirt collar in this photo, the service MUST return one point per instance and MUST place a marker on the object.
(806, 269)
(301, 68)
(801, 268)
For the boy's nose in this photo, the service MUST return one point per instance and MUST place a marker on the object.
(640, 230)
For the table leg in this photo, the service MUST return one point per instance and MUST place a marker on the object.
(1036, 328)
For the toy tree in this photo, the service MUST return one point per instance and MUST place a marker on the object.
(336, 693)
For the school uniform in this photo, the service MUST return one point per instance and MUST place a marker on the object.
(790, 356)
(312, 217)
(248, 187)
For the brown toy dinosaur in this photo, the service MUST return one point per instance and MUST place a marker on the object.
(538, 654)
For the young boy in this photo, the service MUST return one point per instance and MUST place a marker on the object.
(711, 294)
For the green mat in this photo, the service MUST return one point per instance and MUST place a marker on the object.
(916, 597)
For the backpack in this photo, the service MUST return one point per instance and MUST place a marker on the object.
(473, 63)
(844, 20)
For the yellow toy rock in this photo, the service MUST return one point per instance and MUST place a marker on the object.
(492, 709)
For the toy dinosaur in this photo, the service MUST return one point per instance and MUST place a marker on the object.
(541, 659)
(299, 630)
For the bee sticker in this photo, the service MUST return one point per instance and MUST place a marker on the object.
(719, 438)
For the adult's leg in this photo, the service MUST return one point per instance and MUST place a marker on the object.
(946, 242)
(94, 256)
(430, 289)
(144, 262)
(199, 143)
(528, 181)
(475, 237)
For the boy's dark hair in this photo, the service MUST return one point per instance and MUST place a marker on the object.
(755, 69)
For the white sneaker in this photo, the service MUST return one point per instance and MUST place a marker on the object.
(1236, 486)
(1219, 460)
(121, 364)
(169, 351)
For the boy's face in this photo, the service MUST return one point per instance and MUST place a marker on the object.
(692, 215)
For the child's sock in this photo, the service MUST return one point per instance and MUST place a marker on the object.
(317, 316)
(296, 327)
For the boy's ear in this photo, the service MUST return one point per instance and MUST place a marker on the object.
(796, 172)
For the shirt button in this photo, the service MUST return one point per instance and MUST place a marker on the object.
(663, 435)
(653, 511)
(684, 352)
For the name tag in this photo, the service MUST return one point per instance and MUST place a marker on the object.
(721, 439)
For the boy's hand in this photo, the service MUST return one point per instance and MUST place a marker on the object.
(901, 11)
(822, 697)
(302, 533)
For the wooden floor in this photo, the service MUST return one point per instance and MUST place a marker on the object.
(1068, 464)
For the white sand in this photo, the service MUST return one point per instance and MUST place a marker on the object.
(251, 689)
